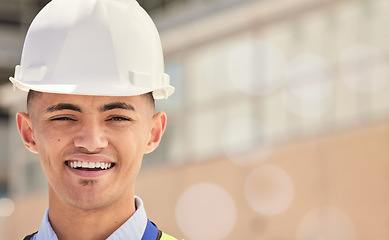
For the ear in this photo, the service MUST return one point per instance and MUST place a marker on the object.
(158, 125)
(24, 124)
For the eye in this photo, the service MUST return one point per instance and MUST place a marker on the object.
(62, 119)
(119, 119)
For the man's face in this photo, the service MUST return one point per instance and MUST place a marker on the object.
(91, 147)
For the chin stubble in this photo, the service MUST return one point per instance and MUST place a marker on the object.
(86, 182)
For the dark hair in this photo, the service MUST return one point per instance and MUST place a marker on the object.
(32, 94)
(150, 98)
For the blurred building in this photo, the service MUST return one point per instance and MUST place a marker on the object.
(278, 128)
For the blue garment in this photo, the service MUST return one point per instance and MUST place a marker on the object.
(133, 228)
(151, 232)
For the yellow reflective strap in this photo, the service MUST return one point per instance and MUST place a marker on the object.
(167, 237)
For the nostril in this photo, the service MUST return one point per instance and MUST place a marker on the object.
(91, 144)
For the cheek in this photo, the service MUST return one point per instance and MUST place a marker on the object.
(49, 145)
(132, 139)
(44, 134)
(130, 147)
(48, 142)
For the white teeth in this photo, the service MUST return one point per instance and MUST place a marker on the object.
(80, 164)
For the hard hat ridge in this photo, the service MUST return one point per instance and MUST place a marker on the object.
(93, 47)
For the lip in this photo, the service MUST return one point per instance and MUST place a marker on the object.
(89, 174)
(89, 158)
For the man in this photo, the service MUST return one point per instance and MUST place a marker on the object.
(92, 69)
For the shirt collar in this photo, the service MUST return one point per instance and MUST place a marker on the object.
(133, 228)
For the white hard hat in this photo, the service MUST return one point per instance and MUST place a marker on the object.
(93, 47)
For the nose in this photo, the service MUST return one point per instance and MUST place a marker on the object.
(91, 137)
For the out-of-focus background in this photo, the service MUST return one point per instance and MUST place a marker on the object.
(278, 129)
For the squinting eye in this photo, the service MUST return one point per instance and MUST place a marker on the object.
(62, 119)
(119, 119)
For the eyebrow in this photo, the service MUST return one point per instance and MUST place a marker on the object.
(106, 107)
(63, 106)
(117, 105)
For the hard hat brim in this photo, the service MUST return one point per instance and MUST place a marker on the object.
(158, 93)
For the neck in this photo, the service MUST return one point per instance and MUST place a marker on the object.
(69, 222)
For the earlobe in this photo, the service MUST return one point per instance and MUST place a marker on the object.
(157, 130)
(23, 121)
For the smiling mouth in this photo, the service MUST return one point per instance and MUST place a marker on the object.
(89, 166)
